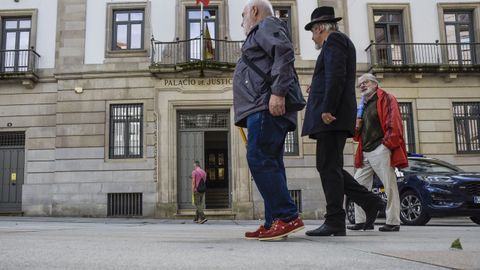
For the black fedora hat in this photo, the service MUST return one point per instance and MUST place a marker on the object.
(322, 14)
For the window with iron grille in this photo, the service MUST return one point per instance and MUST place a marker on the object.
(128, 30)
(297, 198)
(466, 117)
(203, 120)
(126, 131)
(291, 144)
(124, 204)
(408, 127)
(11, 139)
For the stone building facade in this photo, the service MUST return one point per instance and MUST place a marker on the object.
(104, 105)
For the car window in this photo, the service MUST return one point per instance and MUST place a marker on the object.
(420, 166)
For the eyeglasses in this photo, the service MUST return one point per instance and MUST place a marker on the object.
(363, 83)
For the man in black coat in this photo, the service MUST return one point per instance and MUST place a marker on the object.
(330, 119)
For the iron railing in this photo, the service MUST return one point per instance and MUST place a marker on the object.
(16, 62)
(190, 51)
(424, 56)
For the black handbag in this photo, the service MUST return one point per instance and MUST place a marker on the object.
(202, 186)
(294, 100)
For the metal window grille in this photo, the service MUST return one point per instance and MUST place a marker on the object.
(8, 139)
(128, 29)
(126, 131)
(466, 117)
(408, 128)
(297, 198)
(291, 143)
(203, 120)
(124, 204)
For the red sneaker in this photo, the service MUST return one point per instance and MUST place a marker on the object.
(280, 229)
(255, 234)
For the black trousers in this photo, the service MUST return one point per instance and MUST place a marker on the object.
(336, 181)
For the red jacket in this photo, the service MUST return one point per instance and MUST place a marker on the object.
(391, 122)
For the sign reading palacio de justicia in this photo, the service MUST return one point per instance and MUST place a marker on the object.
(197, 82)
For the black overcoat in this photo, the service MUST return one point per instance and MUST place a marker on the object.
(333, 88)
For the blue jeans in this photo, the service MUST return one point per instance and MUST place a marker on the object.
(266, 139)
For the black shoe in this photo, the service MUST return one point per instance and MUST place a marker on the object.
(372, 213)
(326, 230)
(389, 228)
(358, 227)
(202, 221)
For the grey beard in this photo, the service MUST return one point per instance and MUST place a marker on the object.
(368, 91)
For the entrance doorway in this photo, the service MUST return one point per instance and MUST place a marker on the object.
(216, 166)
(12, 164)
(203, 136)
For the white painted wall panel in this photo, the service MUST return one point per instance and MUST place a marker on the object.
(307, 47)
(95, 32)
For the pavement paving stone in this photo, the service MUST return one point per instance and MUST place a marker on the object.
(84, 243)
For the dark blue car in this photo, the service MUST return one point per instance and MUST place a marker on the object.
(429, 188)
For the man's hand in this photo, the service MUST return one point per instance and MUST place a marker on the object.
(276, 105)
(328, 118)
(308, 89)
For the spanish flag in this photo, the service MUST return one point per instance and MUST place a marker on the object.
(205, 2)
(209, 51)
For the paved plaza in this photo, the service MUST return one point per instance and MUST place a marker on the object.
(81, 243)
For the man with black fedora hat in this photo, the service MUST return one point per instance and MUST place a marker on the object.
(330, 119)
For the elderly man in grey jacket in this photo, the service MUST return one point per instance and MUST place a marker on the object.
(260, 107)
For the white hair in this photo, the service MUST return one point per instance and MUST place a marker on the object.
(368, 76)
(326, 26)
(263, 6)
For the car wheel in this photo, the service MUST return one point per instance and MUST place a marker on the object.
(476, 219)
(350, 209)
(412, 211)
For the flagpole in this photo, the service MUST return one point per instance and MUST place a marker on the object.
(201, 31)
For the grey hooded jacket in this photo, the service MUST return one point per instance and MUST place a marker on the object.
(268, 46)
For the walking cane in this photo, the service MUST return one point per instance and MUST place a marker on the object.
(245, 140)
(244, 137)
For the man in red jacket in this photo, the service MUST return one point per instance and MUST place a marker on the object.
(381, 148)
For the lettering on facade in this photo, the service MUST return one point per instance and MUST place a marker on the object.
(197, 82)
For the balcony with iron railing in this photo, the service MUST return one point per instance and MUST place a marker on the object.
(423, 57)
(191, 54)
(19, 65)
